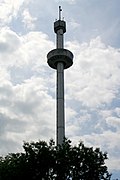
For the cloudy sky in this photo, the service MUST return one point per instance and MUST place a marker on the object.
(92, 84)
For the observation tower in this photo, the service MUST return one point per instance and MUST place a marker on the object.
(60, 59)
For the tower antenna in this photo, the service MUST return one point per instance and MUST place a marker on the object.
(60, 12)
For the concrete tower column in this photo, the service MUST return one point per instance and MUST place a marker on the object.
(60, 103)
(60, 87)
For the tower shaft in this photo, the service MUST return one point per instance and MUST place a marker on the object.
(60, 41)
(60, 103)
(60, 91)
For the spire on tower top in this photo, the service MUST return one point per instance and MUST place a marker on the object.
(60, 14)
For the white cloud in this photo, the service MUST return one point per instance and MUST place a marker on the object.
(9, 9)
(9, 41)
(117, 111)
(68, 1)
(114, 121)
(73, 24)
(94, 77)
(30, 49)
(24, 93)
(28, 20)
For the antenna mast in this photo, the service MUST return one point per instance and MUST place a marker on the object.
(60, 12)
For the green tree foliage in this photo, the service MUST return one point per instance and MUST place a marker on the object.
(42, 161)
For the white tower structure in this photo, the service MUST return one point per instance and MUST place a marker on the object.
(60, 59)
